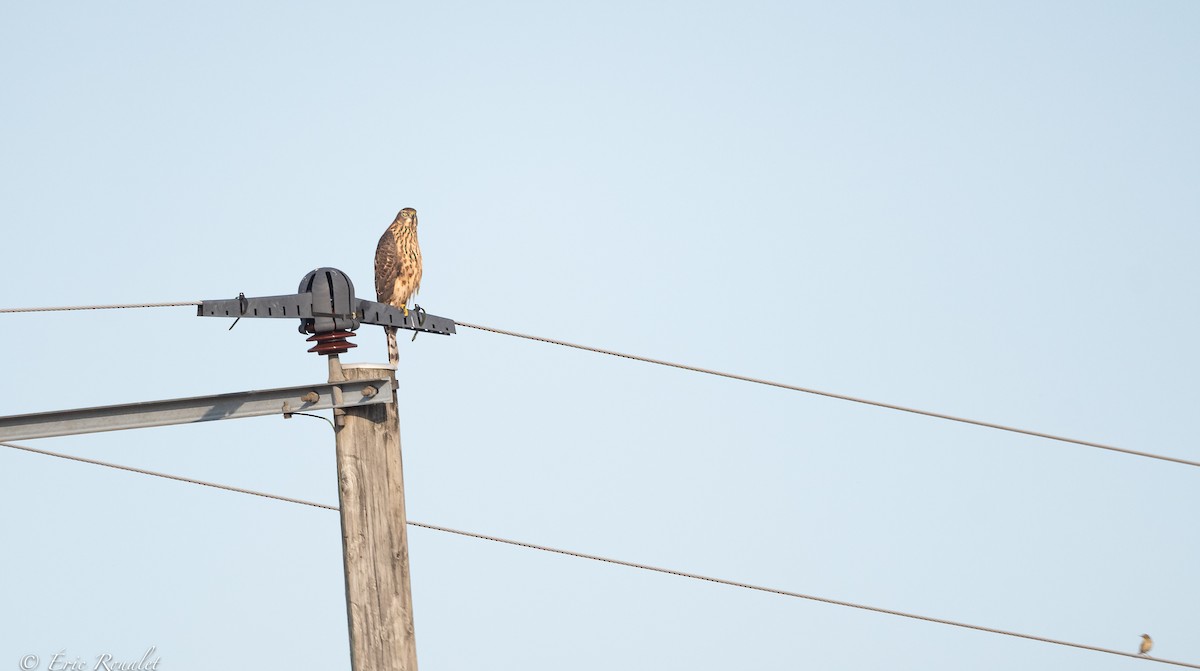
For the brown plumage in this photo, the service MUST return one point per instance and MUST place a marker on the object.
(398, 269)
(1147, 643)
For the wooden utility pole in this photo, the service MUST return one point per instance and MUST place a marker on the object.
(370, 475)
(374, 528)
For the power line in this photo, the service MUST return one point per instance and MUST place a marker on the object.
(830, 394)
(783, 592)
(168, 476)
(628, 564)
(122, 306)
(709, 371)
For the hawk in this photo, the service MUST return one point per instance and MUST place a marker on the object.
(398, 270)
(1147, 643)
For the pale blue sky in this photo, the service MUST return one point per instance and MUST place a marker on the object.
(984, 209)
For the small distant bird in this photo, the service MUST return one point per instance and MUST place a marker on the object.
(398, 270)
(1147, 643)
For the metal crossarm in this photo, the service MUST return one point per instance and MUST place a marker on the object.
(281, 401)
(300, 306)
(370, 312)
(325, 303)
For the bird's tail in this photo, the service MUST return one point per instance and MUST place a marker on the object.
(393, 349)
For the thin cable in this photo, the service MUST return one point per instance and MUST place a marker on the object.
(309, 414)
(842, 397)
(126, 306)
(168, 476)
(708, 371)
(620, 562)
(783, 592)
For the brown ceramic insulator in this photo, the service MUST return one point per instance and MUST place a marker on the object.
(333, 342)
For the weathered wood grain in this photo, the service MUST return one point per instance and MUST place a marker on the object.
(374, 534)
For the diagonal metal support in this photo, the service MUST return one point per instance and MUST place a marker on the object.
(282, 401)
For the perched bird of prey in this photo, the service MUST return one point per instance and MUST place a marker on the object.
(398, 270)
(1147, 643)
